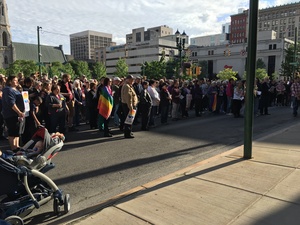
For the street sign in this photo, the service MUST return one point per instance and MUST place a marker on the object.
(294, 63)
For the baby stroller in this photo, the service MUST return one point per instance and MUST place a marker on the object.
(26, 186)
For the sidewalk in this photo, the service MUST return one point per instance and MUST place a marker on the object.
(222, 190)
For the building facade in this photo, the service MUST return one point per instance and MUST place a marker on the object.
(84, 44)
(283, 19)
(141, 48)
(6, 48)
(269, 48)
(139, 35)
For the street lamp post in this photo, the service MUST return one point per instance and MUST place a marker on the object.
(180, 42)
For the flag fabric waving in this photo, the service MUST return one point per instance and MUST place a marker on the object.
(105, 103)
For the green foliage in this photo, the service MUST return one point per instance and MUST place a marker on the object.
(226, 74)
(69, 69)
(260, 64)
(121, 68)
(155, 69)
(3, 71)
(171, 66)
(286, 68)
(99, 70)
(259, 73)
(204, 68)
(25, 66)
(80, 67)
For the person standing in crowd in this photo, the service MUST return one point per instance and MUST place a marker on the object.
(145, 105)
(184, 104)
(265, 97)
(155, 101)
(46, 90)
(57, 109)
(129, 103)
(280, 92)
(229, 94)
(67, 91)
(91, 104)
(165, 99)
(238, 96)
(116, 96)
(32, 122)
(13, 110)
(78, 102)
(138, 88)
(105, 105)
(197, 96)
(295, 91)
(175, 100)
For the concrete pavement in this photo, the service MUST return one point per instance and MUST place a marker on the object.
(225, 189)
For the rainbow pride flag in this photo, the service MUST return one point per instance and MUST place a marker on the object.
(105, 103)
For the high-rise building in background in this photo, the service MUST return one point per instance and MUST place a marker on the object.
(84, 44)
(283, 19)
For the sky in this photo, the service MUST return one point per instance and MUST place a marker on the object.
(60, 18)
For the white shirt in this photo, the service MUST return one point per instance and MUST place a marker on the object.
(154, 95)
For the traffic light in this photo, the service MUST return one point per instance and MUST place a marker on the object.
(198, 70)
(229, 52)
(224, 53)
(188, 71)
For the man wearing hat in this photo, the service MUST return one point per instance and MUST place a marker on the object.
(129, 102)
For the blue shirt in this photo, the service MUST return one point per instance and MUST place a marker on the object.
(10, 97)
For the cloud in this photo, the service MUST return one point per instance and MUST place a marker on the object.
(59, 19)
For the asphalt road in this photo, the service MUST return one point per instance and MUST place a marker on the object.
(92, 168)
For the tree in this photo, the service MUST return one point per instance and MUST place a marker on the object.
(69, 69)
(27, 67)
(204, 68)
(80, 67)
(260, 64)
(259, 73)
(121, 68)
(286, 68)
(3, 71)
(155, 69)
(99, 70)
(227, 74)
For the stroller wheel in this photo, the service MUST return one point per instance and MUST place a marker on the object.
(67, 205)
(56, 206)
(14, 220)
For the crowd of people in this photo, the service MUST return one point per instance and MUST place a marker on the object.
(61, 104)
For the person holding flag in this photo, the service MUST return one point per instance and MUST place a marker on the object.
(105, 105)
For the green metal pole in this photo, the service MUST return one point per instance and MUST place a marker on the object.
(39, 50)
(251, 67)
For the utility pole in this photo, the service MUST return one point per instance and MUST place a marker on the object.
(251, 67)
(39, 50)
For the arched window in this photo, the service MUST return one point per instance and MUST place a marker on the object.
(4, 39)
(5, 60)
(2, 10)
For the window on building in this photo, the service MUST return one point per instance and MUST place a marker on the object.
(274, 46)
(5, 60)
(208, 53)
(4, 39)
(270, 47)
(138, 37)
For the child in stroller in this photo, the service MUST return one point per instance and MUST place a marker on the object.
(26, 186)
